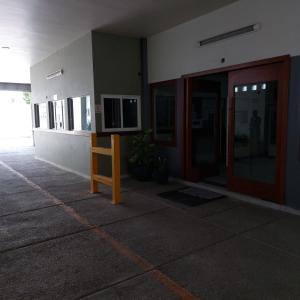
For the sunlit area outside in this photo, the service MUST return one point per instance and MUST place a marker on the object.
(15, 120)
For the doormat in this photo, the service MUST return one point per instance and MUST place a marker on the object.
(201, 193)
(191, 196)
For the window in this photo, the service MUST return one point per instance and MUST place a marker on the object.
(130, 113)
(51, 115)
(43, 116)
(163, 101)
(59, 114)
(79, 110)
(40, 116)
(120, 113)
(36, 115)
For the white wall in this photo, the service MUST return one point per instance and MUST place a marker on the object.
(175, 52)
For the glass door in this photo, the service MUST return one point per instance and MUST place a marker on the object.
(256, 123)
(203, 131)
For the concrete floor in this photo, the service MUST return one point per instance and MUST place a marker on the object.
(58, 241)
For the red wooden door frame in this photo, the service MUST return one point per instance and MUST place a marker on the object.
(254, 75)
(282, 115)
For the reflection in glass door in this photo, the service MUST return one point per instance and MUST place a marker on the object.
(203, 128)
(255, 131)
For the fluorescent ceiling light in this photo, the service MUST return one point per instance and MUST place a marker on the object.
(55, 74)
(230, 34)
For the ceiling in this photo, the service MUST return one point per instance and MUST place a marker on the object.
(34, 29)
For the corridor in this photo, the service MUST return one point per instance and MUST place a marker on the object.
(58, 241)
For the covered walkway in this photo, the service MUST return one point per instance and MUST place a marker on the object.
(58, 241)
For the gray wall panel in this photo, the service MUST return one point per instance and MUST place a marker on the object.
(67, 150)
(70, 151)
(117, 67)
(77, 79)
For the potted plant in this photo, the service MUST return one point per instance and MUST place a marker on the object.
(161, 172)
(141, 156)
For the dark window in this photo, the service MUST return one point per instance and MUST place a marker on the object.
(36, 116)
(51, 115)
(121, 113)
(130, 113)
(163, 100)
(112, 113)
(70, 114)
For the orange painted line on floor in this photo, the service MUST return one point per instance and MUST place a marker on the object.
(146, 266)
(123, 249)
(173, 286)
(142, 263)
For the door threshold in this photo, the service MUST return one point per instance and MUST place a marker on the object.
(215, 181)
(241, 197)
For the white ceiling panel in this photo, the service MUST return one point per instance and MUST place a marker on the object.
(34, 29)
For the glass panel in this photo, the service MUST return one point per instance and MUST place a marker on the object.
(112, 112)
(255, 132)
(164, 116)
(204, 122)
(51, 115)
(87, 114)
(130, 113)
(82, 113)
(36, 116)
(43, 116)
(59, 114)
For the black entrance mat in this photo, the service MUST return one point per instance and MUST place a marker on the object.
(191, 196)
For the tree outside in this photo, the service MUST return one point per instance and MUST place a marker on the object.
(27, 97)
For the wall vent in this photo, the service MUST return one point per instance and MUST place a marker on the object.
(230, 34)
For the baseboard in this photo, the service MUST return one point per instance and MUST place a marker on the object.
(124, 176)
(241, 197)
(63, 168)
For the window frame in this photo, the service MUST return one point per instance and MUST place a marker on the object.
(63, 106)
(47, 115)
(122, 128)
(71, 118)
(36, 112)
(173, 83)
(51, 123)
(70, 111)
